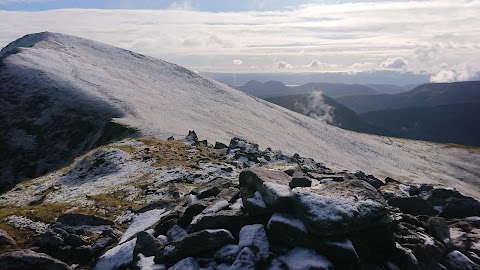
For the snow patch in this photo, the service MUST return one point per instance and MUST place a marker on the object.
(282, 218)
(143, 221)
(302, 258)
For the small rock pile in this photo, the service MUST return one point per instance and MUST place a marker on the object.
(298, 216)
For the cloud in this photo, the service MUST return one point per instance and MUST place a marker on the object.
(237, 62)
(283, 65)
(370, 30)
(357, 67)
(456, 73)
(316, 107)
(321, 65)
(394, 63)
(428, 53)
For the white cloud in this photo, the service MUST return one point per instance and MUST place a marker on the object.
(283, 65)
(315, 64)
(394, 63)
(428, 53)
(237, 62)
(357, 67)
(456, 73)
(333, 32)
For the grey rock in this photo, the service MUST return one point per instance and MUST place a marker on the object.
(186, 264)
(439, 229)
(287, 229)
(413, 205)
(455, 260)
(255, 237)
(272, 185)
(299, 179)
(147, 245)
(6, 239)
(461, 208)
(202, 242)
(338, 208)
(245, 260)
(26, 259)
(227, 254)
(219, 145)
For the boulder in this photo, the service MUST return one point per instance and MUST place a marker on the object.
(440, 196)
(147, 245)
(190, 212)
(194, 244)
(272, 185)
(232, 220)
(457, 261)
(461, 208)
(81, 219)
(245, 260)
(186, 264)
(191, 138)
(286, 229)
(219, 145)
(6, 239)
(438, 228)
(171, 138)
(255, 237)
(26, 259)
(338, 208)
(212, 188)
(227, 254)
(413, 205)
(176, 233)
(299, 179)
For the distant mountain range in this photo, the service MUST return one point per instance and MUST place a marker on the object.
(453, 123)
(276, 88)
(332, 112)
(422, 96)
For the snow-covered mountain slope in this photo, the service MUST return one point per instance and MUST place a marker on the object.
(79, 77)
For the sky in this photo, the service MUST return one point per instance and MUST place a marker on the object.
(436, 37)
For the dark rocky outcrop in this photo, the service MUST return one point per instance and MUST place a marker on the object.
(26, 259)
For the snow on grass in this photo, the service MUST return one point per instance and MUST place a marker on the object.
(117, 257)
(143, 221)
(302, 258)
(26, 223)
(282, 218)
(144, 88)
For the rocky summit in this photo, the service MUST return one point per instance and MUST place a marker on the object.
(187, 204)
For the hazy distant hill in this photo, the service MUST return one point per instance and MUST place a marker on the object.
(421, 96)
(390, 88)
(454, 123)
(276, 88)
(327, 108)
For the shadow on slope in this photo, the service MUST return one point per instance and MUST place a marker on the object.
(44, 128)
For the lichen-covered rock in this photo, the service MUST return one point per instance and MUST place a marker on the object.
(337, 208)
